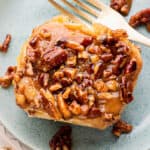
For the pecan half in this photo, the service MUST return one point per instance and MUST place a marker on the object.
(62, 139)
(121, 127)
(141, 17)
(52, 58)
(5, 44)
(122, 6)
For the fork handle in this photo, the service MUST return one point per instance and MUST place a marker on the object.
(136, 36)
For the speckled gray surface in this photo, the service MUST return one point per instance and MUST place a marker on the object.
(18, 17)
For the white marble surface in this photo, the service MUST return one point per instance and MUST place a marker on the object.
(7, 140)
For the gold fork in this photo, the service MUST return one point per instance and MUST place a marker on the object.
(95, 11)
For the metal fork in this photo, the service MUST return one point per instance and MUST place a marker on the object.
(95, 11)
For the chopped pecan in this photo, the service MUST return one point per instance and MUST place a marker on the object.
(107, 73)
(121, 127)
(5, 44)
(58, 75)
(6, 80)
(70, 72)
(122, 6)
(94, 49)
(66, 93)
(75, 108)
(83, 55)
(87, 41)
(45, 34)
(71, 61)
(51, 109)
(141, 17)
(84, 109)
(33, 41)
(62, 139)
(100, 86)
(86, 82)
(108, 95)
(126, 90)
(55, 87)
(70, 44)
(79, 77)
(131, 66)
(63, 107)
(98, 69)
(29, 69)
(112, 85)
(108, 41)
(122, 47)
(94, 112)
(82, 96)
(91, 99)
(94, 58)
(43, 79)
(65, 81)
(106, 57)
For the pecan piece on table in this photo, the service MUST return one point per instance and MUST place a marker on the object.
(6, 80)
(122, 6)
(62, 139)
(5, 44)
(141, 17)
(121, 127)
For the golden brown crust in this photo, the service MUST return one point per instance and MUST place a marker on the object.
(28, 94)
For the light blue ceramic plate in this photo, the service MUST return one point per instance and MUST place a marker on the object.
(18, 17)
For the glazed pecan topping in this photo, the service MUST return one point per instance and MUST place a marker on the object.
(78, 77)
(4, 46)
(141, 17)
(6, 80)
(62, 139)
(122, 6)
(121, 127)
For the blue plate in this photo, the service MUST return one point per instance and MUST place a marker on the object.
(18, 17)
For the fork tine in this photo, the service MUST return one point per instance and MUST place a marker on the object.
(86, 16)
(61, 9)
(98, 4)
(87, 8)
